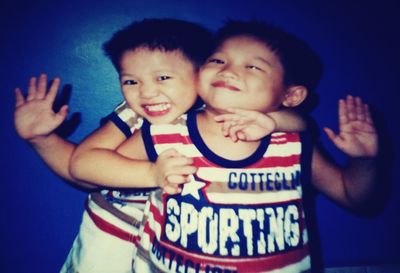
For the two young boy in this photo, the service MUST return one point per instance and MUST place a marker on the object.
(247, 71)
(242, 210)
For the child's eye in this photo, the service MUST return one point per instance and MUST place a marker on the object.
(215, 60)
(253, 67)
(163, 78)
(129, 82)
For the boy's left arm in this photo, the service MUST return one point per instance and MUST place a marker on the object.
(351, 185)
(247, 125)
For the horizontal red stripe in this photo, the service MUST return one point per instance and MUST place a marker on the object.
(178, 138)
(156, 213)
(110, 228)
(253, 264)
(171, 139)
(266, 162)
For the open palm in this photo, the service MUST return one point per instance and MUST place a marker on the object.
(34, 116)
(357, 135)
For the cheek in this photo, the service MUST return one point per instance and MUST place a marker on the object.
(129, 95)
(204, 75)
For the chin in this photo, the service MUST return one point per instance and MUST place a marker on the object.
(168, 118)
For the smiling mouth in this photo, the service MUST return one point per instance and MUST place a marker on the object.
(221, 84)
(156, 109)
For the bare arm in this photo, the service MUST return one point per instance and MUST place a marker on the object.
(248, 125)
(128, 166)
(287, 120)
(35, 122)
(170, 170)
(352, 185)
(102, 165)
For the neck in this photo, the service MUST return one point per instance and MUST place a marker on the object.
(211, 133)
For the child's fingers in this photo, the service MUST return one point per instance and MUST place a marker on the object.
(42, 86)
(226, 127)
(331, 135)
(342, 112)
(179, 161)
(360, 110)
(51, 95)
(31, 89)
(351, 108)
(171, 152)
(367, 112)
(19, 98)
(62, 114)
(234, 130)
(172, 189)
(177, 179)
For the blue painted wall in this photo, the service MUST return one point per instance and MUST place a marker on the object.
(40, 213)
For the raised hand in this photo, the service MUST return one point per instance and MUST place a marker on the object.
(357, 136)
(33, 115)
(172, 170)
(245, 125)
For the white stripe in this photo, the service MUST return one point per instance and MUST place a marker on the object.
(222, 174)
(110, 218)
(287, 149)
(145, 241)
(188, 150)
(167, 129)
(127, 114)
(255, 198)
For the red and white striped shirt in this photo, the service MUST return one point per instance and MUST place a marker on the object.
(233, 216)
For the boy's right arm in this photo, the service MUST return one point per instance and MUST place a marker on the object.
(169, 172)
(35, 122)
(128, 165)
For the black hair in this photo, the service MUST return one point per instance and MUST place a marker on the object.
(301, 64)
(193, 40)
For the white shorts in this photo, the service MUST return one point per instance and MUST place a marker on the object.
(104, 244)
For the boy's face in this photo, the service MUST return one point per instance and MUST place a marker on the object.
(242, 73)
(158, 85)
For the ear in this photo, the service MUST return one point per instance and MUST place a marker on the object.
(295, 95)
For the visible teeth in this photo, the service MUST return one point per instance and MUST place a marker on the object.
(158, 107)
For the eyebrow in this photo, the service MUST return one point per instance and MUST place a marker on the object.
(264, 61)
(125, 75)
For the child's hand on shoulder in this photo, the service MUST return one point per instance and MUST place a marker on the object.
(357, 136)
(245, 125)
(34, 116)
(172, 170)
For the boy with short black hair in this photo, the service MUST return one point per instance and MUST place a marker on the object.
(156, 56)
(109, 227)
(242, 210)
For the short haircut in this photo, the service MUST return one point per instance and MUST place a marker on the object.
(192, 40)
(301, 64)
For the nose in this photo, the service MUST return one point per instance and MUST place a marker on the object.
(228, 71)
(148, 90)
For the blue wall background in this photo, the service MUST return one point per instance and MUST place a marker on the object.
(40, 213)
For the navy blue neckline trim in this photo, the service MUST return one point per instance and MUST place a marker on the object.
(113, 117)
(213, 157)
(148, 141)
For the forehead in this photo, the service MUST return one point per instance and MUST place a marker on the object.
(248, 48)
(244, 43)
(145, 57)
